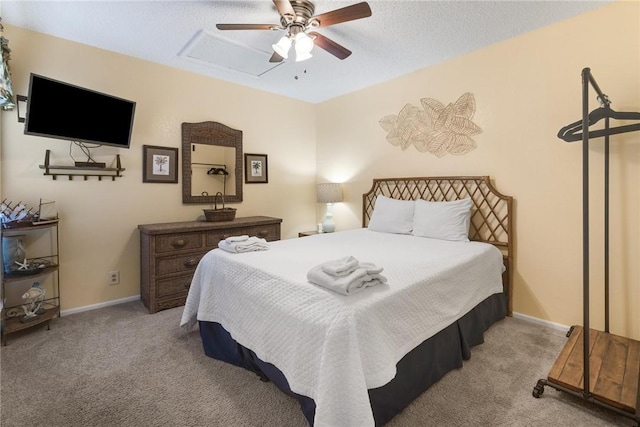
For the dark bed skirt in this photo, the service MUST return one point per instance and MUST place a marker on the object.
(416, 372)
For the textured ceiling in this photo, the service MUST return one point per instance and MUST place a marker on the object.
(399, 37)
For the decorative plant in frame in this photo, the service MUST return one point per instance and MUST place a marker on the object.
(436, 128)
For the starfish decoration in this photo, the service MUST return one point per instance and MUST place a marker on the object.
(23, 265)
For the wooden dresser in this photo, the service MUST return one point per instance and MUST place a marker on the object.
(170, 252)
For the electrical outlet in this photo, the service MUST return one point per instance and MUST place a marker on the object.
(114, 277)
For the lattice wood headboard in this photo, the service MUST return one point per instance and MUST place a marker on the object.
(491, 217)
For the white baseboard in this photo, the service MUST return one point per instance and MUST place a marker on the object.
(99, 305)
(548, 324)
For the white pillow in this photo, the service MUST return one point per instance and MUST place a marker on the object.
(443, 220)
(392, 215)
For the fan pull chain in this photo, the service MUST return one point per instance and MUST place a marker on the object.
(303, 72)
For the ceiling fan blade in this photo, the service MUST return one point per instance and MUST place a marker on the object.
(330, 46)
(285, 9)
(276, 58)
(349, 13)
(247, 27)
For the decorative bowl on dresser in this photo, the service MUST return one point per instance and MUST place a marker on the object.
(170, 252)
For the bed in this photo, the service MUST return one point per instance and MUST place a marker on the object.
(358, 360)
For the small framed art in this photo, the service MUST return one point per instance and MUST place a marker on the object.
(255, 169)
(159, 164)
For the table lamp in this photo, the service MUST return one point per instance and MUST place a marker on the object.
(329, 193)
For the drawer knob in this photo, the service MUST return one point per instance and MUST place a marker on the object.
(263, 233)
(224, 236)
(191, 262)
(179, 243)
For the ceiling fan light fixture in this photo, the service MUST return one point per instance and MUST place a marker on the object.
(296, 18)
(303, 56)
(303, 46)
(282, 47)
(304, 43)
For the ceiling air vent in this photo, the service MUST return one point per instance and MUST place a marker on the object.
(211, 50)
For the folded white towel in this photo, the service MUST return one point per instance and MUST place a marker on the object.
(346, 265)
(340, 267)
(232, 239)
(354, 282)
(370, 267)
(249, 245)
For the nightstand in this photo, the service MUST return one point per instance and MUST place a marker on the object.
(308, 233)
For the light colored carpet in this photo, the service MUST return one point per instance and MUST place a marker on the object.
(120, 366)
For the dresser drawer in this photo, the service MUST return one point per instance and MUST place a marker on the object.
(169, 303)
(177, 264)
(268, 232)
(213, 237)
(174, 286)
(178, 242)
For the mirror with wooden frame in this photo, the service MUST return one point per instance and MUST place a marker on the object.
(211, 163)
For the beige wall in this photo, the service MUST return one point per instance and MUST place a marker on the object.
(526, 89)
(99, 219)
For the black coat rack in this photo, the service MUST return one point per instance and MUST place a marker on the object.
(557, 379)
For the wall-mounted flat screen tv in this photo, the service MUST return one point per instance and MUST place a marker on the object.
(61, 110)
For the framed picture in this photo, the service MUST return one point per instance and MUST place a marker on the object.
(159, 164)
(255, 169)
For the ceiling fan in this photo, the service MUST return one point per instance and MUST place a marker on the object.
(296, 18)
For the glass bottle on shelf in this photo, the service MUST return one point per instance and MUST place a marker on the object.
(13, 253)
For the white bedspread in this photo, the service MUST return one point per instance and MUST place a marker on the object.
(332, 347)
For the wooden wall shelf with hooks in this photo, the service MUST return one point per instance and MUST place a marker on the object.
(86, 171)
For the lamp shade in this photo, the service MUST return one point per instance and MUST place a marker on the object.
(329, 193)
(303, 46)
(282, 47)
(303, 57)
